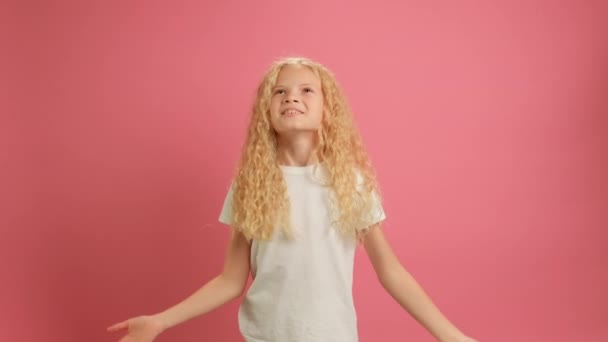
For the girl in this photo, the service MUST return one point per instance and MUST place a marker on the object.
(303, 196)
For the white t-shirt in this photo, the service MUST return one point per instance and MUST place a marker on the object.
(302, 288)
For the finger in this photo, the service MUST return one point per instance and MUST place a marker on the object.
(118, 326)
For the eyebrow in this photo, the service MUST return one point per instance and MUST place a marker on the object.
(301, 85)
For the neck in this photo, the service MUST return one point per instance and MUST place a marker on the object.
(297, 149)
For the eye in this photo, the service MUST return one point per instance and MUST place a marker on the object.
(279, 91)
(308, 90)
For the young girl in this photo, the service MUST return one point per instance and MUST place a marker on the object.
(304, 195)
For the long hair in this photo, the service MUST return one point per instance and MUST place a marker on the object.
(260, 201)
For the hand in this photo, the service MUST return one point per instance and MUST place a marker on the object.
(139, 329)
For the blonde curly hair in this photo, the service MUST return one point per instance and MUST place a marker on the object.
(260, 201)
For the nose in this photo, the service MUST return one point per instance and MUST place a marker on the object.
(291, 98)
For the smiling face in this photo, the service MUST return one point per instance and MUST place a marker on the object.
(297, 101)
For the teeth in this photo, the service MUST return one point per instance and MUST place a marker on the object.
(291, 111)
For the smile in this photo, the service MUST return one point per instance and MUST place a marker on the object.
(291, 112)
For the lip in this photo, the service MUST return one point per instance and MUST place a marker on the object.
(284, 111)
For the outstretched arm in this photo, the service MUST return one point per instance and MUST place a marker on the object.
(406, 291)
(223, 288)
(229, 284)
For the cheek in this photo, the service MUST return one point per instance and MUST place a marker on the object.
(320, 110)
(275, 101)
(319, 116)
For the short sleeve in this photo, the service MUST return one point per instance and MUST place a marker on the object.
(376, 213)
(226, 213)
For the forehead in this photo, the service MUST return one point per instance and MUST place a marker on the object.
(295, 74)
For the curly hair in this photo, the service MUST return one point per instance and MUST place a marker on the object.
(260, 201)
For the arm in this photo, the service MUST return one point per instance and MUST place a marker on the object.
(220, 290)
(405, 290)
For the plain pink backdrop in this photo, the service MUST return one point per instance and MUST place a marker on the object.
(487, 121)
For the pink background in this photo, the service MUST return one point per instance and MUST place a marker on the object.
(122, 122)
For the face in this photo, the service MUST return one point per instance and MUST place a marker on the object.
(297, 101)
